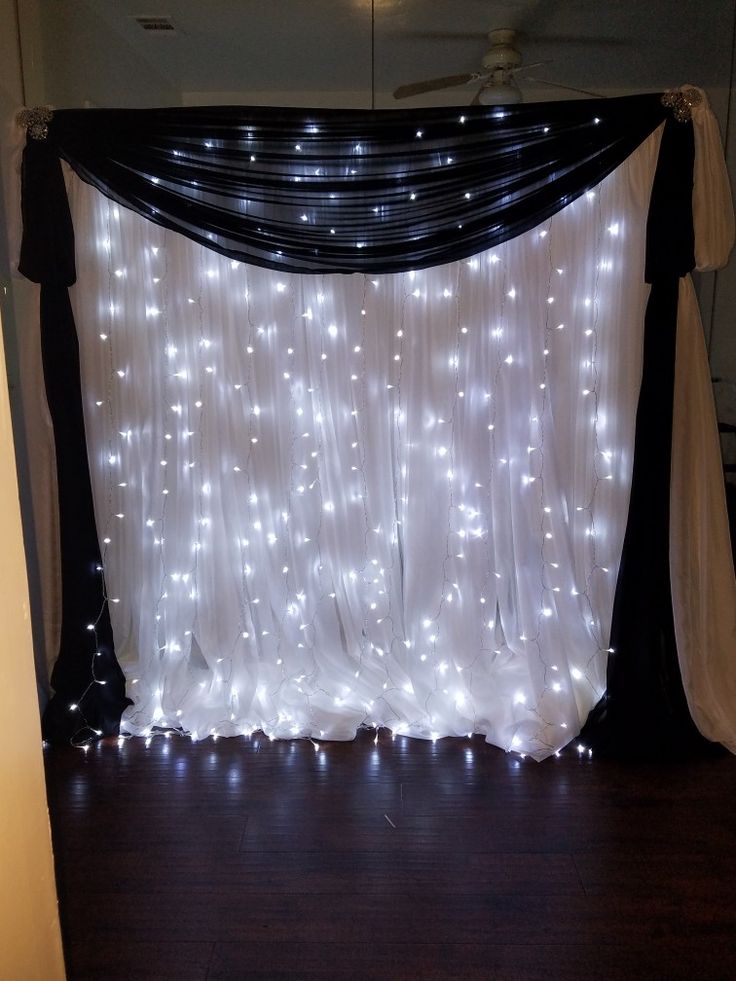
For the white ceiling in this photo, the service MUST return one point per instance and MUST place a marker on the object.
(325, 45)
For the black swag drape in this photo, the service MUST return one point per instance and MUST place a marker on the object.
(318, 191)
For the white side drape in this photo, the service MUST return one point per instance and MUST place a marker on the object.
(398, 500)
(713, 215)
(701, 565)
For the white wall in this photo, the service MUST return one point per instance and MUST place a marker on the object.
(83, 62)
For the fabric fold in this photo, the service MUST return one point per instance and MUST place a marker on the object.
(322, 191)
(713, 213)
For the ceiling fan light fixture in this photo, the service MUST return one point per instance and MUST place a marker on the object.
(506, 94)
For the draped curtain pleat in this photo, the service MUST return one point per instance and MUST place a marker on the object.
(335, 191)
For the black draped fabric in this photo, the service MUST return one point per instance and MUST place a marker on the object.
(644, 711)
(321, 191)
(339, 191)
(86, 674)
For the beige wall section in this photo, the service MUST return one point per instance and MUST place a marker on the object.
(30, 937)
(722, 333)
(19, 312)
(722, 348)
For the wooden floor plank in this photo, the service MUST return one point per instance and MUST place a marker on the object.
(249, 859)
(470, 962)
(212, 914)
(131, 961)
(337, 872)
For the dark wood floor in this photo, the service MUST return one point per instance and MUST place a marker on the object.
(256, 860)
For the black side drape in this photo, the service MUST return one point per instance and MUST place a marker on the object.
(644, 711)
(86, 674)
(89, 687)
(320, 191)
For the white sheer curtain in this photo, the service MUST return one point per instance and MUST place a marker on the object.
(395, 500)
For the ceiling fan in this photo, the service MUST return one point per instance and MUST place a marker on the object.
(501, 64)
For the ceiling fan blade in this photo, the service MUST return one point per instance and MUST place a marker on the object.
(589, 41)
(559, 85)
(432, 84)
(443, 35)
(534, 64)
(476, 97)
